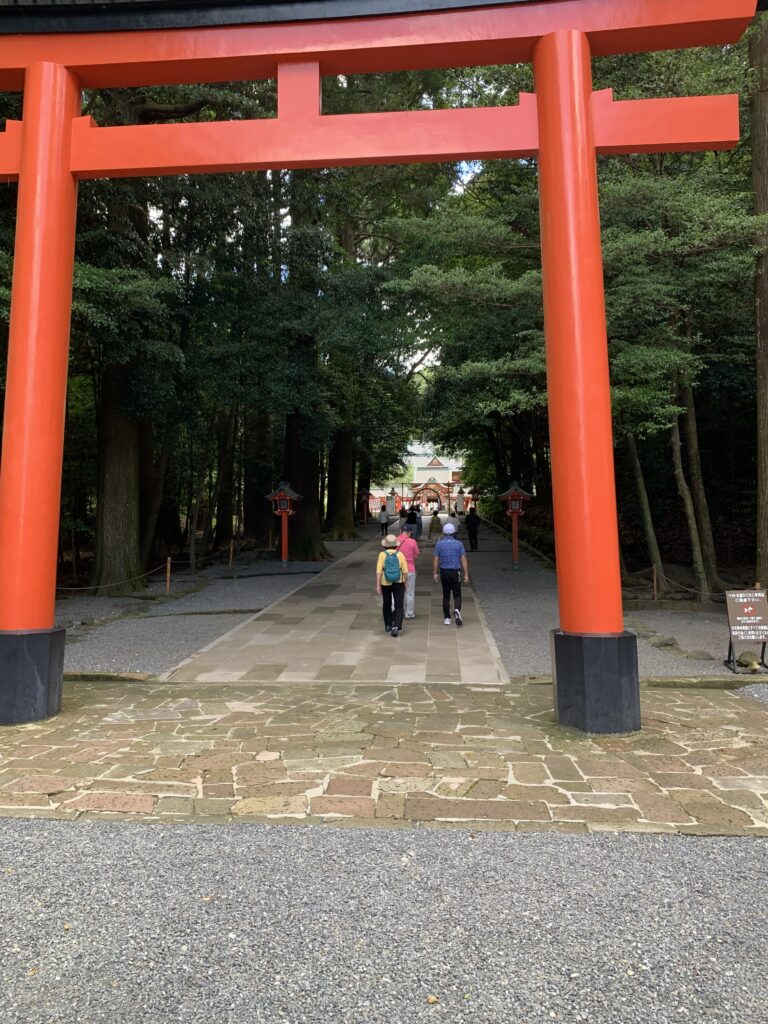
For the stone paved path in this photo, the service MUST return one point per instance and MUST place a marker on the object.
(309, 712)
(398, 755)
(332, 629)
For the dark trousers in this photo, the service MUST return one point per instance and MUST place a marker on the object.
(392, 604)
(384, 529)
(451, 582)
(472, 534)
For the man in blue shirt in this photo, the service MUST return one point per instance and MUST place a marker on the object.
(449, 561)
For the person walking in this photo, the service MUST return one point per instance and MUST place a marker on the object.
(384, 520)
(391, 574)
(449, 562)
(410, 549)
(434, 524)
(472, 523)
(419, 522)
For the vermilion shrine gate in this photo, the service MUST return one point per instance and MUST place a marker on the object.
(52, 56)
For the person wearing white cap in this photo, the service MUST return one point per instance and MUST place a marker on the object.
(449, 561)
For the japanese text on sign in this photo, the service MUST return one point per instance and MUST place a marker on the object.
(748, 614)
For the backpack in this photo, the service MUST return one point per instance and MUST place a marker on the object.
(392, 571)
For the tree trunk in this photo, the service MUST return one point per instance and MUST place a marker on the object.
(543, 476)
(341, 487)
(226, 431)
(258, 473)
(225, 478)
(645, 510)
(149, 524)
(325, 469)
(698, 493)
(329, 495)
(193, 520)
(276, 223)
(690, 515)
(623, 570)
(758, 53)
(117, 564)
(302, 472)
(363, 482)
(499, 467)
(301, 459)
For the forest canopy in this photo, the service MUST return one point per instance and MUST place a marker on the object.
(232, 331)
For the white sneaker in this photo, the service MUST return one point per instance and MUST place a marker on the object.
(457, 616)
(447, 622)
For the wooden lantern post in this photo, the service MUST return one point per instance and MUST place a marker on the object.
(283, 499)
(515, 498)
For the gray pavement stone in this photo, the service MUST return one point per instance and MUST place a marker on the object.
(150, 633)
(115, 923)
(151, 636)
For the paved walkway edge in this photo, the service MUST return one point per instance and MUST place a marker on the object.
(500, 666)
(166, 676)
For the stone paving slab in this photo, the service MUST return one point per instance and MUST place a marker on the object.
(397, 755)
(332, 629)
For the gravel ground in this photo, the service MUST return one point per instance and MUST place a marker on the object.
(695, 633)
(119, 922)
(757, 691)
(151, 633)
(521, 609)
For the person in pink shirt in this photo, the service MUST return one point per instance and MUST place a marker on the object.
(408, 547)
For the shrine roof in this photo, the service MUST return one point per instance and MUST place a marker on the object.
(341, 36)
(30, 16)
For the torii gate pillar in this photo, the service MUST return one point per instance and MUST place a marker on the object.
(31, 650)
(51, 55)
(597, 687)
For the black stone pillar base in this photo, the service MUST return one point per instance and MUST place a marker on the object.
(31, 674)
(597, 684)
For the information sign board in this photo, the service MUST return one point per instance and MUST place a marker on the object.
(748, 615)
(747, 622)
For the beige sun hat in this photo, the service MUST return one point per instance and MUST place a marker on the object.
(390, 541)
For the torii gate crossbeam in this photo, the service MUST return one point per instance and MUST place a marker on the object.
(566, 124)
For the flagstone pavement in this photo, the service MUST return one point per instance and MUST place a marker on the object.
(310, 713)
(332, 629)
(397, 755)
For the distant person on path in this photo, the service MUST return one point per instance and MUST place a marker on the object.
(435, 526)
(412, 519)
(410, 549)
(472, 523)
(419, 522)
(391, 574)
(384, 520)
(403, 517)
(449, 562)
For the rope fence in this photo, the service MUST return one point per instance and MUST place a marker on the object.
(167, 565)
(656, 577)
(119, 583)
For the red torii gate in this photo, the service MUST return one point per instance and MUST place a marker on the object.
(565, 123)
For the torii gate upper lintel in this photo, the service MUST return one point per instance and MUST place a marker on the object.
(566, 124)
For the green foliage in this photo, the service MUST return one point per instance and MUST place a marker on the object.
(406, 302)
